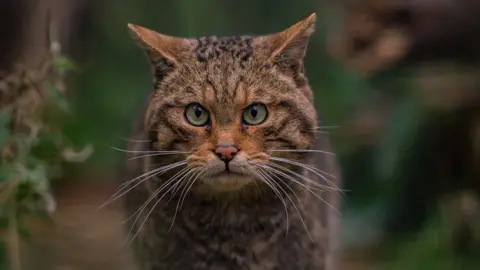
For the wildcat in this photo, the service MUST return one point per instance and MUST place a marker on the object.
(217, 175)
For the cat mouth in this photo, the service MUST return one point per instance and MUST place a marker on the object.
(228, 180)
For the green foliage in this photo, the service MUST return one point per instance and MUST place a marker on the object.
(432, 248)
(32, 146)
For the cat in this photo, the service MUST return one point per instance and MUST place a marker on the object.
(217, 175)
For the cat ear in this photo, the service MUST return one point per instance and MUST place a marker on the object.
(163, 51)
(290, 45)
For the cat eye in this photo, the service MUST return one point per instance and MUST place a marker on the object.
(255, 114)
(197, 115)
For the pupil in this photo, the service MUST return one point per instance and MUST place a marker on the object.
(253, 112)
(198, 112)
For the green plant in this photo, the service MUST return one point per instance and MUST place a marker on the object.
(33, 147)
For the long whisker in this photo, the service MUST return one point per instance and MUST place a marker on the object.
(184, 185)
(126, 183)
(143, 151)
(146, 176)
(162, 153)
(160, 189)
(165, 167)
(295, 207)
(309, 190)
(266, 169)
(156, 169)
(302, 151)
(323, 188)
(281, 180)
(308, 167)
(262, 178)
(180, 186)
(320, 131)
(201, 173)
(153, 207)
(328, 127)
(184, 194)
(317, 185)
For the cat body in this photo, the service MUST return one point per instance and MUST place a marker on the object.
(226, 146)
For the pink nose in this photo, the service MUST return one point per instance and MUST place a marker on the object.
(226, 152)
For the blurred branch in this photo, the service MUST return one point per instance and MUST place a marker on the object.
(379, 34)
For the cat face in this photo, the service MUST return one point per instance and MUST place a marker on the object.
(230, 103)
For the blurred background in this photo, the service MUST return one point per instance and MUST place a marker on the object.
(397, 86)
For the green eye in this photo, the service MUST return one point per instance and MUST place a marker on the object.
(196, 115)
(255, 114)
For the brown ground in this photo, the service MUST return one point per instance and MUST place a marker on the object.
(81, 238)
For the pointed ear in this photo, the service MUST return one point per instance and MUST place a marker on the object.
(289, 46)
(164, 52)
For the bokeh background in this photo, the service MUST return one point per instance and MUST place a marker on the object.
(397, 87)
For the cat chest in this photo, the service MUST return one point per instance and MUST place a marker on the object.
(239, 250)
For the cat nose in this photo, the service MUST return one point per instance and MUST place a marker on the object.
(226, 152)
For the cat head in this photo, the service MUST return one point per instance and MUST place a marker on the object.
(232, 104)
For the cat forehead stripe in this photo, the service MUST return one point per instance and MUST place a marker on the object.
(209, 48)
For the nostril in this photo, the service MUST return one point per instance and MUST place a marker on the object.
(226, 152)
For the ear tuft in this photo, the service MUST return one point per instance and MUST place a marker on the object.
(291, 44)
(164, 52)
(158, 45)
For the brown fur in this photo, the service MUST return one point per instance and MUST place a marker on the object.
(229, 220)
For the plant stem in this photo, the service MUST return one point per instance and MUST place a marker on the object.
(7, 196)
(14, 242)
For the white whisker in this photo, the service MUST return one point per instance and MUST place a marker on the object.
(318, 185)
(145, 151)
(320, 131)
(160, 189)
(146, 176)
(156, 203)
(295, 207)
(302, 151)
(201, 173)
(328, 127)
(275, 190)
(308, 167)
(188, 186)
(162, 153)
(157, 169)
(316, 195)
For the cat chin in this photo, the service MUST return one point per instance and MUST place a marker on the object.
(226, 182)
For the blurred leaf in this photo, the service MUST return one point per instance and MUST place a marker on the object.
(22, 144)
(57, 98)
(50, 203)
(6, 172)
(64, 63)
(47, 145)
(77, 156)
(4, 131)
